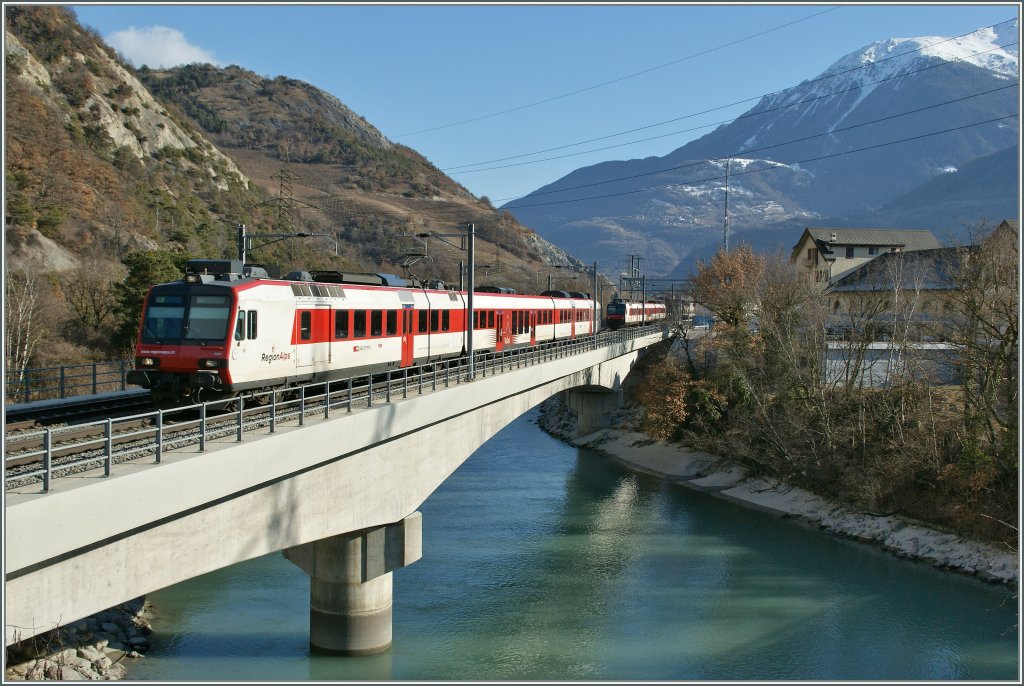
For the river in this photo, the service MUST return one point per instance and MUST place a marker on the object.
(546, 562)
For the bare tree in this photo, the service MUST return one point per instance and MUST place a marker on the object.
(985, 320)
(91, 298)
(23, 309)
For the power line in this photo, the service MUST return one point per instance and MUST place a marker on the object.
(718, 123)
(764, 147)
(616, 80)
(738, 102)
(774, 167)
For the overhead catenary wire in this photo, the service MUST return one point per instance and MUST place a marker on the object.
(775, 166)
(615, 80)
(456, 168)
(705, 126)
(765, 147)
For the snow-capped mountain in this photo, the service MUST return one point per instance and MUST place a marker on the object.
(875, 125)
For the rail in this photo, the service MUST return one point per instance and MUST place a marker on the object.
(45, 383)
(175, 429)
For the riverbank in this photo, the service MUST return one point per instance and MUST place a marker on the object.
(710, 474)
(95, 648)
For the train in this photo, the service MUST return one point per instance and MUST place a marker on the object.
(227, 329)
(622, 313)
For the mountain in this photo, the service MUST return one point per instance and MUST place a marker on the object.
(95, 166)
(334, 172)
(816, 153)
(982, 188)
(103, 161)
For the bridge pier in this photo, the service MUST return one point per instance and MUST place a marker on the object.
(350, 584)
(592, 407)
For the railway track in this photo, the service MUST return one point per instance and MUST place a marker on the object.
(77, 409)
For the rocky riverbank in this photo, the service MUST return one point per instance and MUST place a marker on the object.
(99, 647)
(714, 475)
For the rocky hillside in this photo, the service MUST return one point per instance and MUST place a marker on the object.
(104, 161)
(332, 171)
(96, 166)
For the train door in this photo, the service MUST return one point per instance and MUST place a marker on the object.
(408, 326)
(322, 320)
(502, 335)
(572, 322)
(533, 326)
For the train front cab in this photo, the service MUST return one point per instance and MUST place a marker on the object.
(183, 340)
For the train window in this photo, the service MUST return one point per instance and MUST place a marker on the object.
(240, 326)
(209, 318)
(423, 321)
(341, 323)
(252, 324)
(376, 322)
(434, 320)
(445, 320)
(392, 322)
(305, 325)
(359, 324)
(490, 319)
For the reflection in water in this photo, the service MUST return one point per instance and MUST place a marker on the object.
(548, 563)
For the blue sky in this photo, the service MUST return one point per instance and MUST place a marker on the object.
(410, 69)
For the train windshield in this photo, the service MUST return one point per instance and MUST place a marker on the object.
(616, 308)
(177, 316)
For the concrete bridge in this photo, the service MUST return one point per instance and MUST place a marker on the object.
(339, 496)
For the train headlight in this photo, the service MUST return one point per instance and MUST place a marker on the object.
(211, 364)
(147, 362)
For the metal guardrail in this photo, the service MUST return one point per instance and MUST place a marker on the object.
(269, 408)
(46, 383)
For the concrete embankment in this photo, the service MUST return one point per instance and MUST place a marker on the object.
(99, 647)
(704, 472)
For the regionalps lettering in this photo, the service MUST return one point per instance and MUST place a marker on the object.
(274, 357)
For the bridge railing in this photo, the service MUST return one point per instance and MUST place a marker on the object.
(65, 450)
(45, 383)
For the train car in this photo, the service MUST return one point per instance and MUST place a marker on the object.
(622, 313)
(225, 330)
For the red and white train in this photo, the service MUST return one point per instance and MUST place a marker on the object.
(220, 332)
(631, 313)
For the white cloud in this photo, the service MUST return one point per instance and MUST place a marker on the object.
(157, 47)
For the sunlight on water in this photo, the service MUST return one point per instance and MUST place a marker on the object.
(548, 563)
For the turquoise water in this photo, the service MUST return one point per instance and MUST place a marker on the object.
(544, 562)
